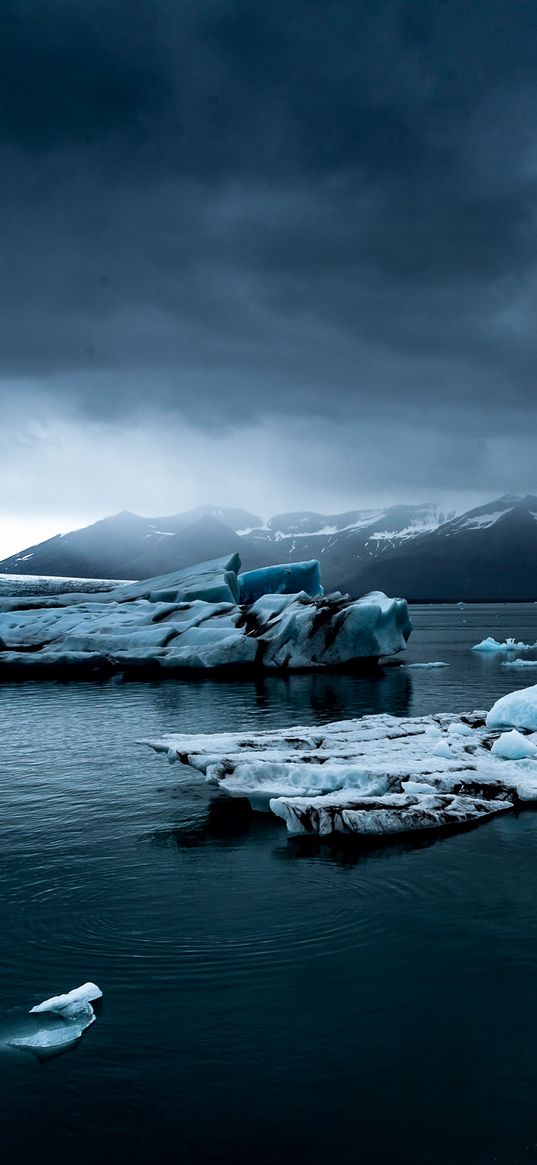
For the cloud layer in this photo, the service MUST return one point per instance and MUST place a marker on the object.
(309, 226)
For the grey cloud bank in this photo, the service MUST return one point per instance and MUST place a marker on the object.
(290, 249)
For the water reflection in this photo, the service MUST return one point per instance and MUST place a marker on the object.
(284, 699)
(353, 849)
(226, 819)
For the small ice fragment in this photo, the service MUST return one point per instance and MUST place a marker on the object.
(513, 746)
(459, 729)
(442, 749)
(427, 666)
(517, 663)
(418, 787)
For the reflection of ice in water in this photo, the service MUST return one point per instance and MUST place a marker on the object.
(51, 1027)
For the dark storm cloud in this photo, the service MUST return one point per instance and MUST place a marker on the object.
(229, 211)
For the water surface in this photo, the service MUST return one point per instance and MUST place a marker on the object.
(263, 1000)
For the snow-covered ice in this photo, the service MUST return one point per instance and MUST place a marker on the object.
(192, 619)
(370, 816)
(379, 774)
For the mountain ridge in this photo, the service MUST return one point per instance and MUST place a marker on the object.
(488, 553)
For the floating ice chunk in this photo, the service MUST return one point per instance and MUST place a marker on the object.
(488, 644)
(519, 663)
(516, 710)
(492, 645)
(53, 1026)
(427, 666)
(360, 766)
(513, 746)
(87, 993)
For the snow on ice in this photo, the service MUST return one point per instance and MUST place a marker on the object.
(379, 774)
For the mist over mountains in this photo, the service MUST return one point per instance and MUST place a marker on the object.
(486, 554)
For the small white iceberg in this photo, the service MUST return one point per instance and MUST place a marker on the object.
(51, 1027)
(519, 663)
(491, 646)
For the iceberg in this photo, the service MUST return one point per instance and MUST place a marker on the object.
(193, 620)
(492, 645)
(51, 1027)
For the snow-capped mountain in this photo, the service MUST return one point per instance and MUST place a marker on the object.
(129, 546)
(344, 543)
(488, 554)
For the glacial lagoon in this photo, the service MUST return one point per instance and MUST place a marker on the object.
(265, 999)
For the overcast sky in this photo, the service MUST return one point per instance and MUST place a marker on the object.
(270, 254)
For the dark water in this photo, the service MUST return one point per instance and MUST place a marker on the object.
(262, 1002)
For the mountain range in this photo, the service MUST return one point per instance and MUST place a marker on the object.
(488, 554)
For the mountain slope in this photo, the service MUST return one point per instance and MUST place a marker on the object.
(343, 542)
(128, 546)
(488, 554)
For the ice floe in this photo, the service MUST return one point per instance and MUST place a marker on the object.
(193, 619)
(380, 774)
(51, 1027)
